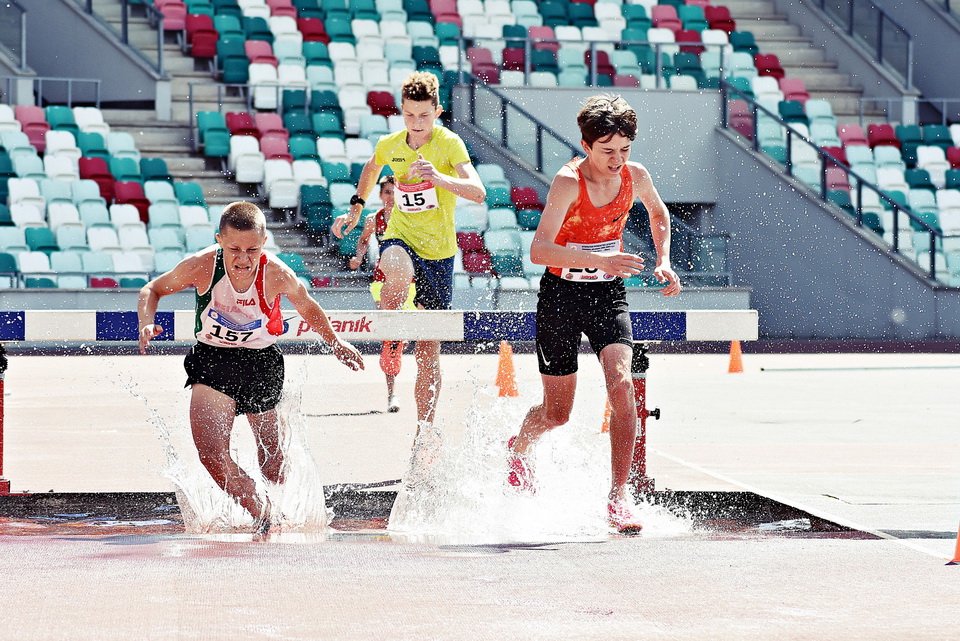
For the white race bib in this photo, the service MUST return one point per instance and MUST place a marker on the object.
(590, 274)
(416, 198)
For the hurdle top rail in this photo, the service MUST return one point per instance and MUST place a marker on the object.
(64, 326)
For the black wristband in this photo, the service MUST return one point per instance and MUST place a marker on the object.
(357, 200)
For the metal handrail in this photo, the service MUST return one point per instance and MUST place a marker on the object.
(38, 84)
(529, 43)
(903, 102)
(827, 159)
(848, 24)
(154, 17)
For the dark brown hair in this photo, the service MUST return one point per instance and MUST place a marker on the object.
(606, 115)
(420, 86)
(243, 216)
(387, 180)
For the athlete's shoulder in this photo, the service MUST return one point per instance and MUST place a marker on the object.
(567, 175)
(388, 141)
(638, 171)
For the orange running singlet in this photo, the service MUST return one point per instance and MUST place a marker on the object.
(594, 228)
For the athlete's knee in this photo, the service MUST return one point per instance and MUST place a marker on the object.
(556, 416)
(620, 391)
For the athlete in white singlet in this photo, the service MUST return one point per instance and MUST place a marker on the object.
(235, 367)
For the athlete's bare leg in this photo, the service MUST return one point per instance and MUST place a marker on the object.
(267, 433)
(397, 268)
(615, 361)
(554, 411)
(211, 421)
(427, 390)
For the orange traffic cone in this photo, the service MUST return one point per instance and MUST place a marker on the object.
(606, 419)
(956, 554)
(736, 358)
(506, 377)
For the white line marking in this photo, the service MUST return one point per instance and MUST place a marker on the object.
(823, 515)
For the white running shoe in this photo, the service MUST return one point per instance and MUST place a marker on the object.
(392, 405)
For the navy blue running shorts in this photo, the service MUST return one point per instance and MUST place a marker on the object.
(433, 278)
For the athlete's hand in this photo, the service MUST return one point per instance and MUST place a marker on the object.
(665, 274)
(348, 355)
(620, 264)
(355, 262)
(344, 223)
(147, 334)
(424, 169)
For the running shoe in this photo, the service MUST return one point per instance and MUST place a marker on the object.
(622, 517)
(520, 476)
(390, 357)
(392, 405)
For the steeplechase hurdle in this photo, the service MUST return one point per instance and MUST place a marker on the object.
(85, 326)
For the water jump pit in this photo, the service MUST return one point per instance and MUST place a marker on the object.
(363, 514)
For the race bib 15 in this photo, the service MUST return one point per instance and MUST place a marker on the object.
(417, 197)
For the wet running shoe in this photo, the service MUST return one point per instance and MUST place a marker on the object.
(622, 517)
(390, 357)
(392, 406)
(520, 476)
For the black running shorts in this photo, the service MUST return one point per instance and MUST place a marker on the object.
(253, 378)
(566, 309)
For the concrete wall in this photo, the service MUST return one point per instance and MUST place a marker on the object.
(936, 48)
(813, 273)
(674, 140)
(64, 42)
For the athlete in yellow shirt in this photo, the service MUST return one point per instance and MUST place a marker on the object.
(432, 168)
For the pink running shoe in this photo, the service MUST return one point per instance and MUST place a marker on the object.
(622, 518)
(520, 476)
(390, 357)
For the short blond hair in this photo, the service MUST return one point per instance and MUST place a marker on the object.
(420, 86)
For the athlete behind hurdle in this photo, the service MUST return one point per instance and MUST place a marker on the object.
(235, 367)
(432, 168)
(580, 240)
(374, 227)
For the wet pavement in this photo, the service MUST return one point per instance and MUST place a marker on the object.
(823, 494)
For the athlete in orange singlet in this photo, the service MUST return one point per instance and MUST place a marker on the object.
(580, 240)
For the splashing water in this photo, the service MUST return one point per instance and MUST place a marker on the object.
(464, 497)
(297, 504)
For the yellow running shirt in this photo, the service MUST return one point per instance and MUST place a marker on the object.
(429, 232)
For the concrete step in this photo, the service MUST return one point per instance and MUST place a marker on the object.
(796, 53)
(763, 29)
(741, 7)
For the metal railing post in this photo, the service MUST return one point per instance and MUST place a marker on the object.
(527, 62)
(124, 26)
(880, 39)
(593, 63)
(23, 41)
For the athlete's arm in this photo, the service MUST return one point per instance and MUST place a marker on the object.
(544, 249)
(310, 310)
(659, 227)
(468, 185)
(186, 273)
(345, 223)
(368, 226)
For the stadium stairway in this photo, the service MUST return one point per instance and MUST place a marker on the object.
(799, 57)
(170, 140)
